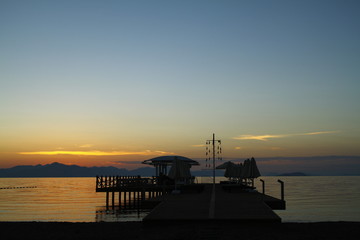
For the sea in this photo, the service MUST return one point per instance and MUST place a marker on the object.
(308, 199)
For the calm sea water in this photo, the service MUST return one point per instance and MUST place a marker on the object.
(309, 199)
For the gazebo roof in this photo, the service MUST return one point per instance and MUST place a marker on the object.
(167, 160)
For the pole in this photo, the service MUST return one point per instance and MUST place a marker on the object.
(213, 143)
(263, 186)
(107, 200)
(282, 189)
(113, 199)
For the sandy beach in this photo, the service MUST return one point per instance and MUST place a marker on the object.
(138, 230)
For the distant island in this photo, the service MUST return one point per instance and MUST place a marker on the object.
(61, 170)
(293, 174)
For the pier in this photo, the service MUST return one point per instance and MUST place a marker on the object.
(193, 202)
(215, 203)
(131, 191)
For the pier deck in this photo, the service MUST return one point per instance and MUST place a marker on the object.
(214, 204)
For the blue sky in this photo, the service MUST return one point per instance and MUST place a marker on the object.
(162, 76)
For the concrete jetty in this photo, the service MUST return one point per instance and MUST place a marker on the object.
(215, 203)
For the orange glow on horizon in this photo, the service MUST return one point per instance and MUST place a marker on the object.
(98, 153)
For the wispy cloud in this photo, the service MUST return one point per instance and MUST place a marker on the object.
(267, 137)
(239, 148)
(258, 137)
(86, 145)
(318, 133)
(98, 153)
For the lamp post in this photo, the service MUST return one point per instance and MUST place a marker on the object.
(211, 150)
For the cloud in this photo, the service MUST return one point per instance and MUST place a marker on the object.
(318, 133)
(258, 137)
(199, 145)
(267, 137)
(86, 145)
(98, 153)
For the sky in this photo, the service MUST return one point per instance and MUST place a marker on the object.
(113, 83)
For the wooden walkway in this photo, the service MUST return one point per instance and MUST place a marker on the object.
(131, 190)
(215, 204)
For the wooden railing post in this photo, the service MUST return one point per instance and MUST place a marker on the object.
(107, 200)
(113, 199)
(282, 189)
(263, 186)
(97, 182)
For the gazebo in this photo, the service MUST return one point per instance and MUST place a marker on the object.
(161, 163)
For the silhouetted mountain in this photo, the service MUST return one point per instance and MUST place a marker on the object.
(61, 170)
(144, 171)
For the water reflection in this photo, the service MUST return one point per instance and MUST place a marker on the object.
(74, 199)
(120, 215)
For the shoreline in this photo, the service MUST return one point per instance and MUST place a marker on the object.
(179, 230)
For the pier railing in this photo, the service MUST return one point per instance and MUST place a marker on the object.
(131, 190)
(103, 182)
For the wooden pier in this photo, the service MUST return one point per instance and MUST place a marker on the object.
(131, 191)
